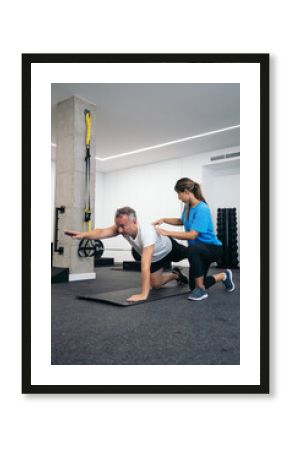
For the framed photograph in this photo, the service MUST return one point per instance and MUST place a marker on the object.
(145, 223)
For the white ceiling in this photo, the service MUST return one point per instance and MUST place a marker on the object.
(133, 116)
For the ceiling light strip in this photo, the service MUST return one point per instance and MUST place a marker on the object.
(165, 144)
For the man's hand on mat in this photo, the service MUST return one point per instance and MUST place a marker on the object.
(137, 298)
(161, 231)
(74, 234)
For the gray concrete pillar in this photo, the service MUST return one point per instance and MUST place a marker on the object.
(70, 182)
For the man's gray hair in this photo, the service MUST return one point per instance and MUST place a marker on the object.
(126, 211)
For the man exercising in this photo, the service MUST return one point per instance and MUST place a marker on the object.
(156, 251)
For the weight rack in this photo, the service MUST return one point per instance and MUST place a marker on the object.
(227, 233)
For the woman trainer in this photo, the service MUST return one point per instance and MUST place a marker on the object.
(203, 245)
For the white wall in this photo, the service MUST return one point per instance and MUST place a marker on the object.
(99, 200)
(221, 187)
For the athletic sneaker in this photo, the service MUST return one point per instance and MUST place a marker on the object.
(198, 294)
(182, 279)
(228, 282)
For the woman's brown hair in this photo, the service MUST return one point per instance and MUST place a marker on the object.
(191, 186)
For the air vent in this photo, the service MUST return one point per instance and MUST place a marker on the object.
(232, 155)
(226, 156)
(216, 158)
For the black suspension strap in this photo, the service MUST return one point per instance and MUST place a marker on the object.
(87, 209)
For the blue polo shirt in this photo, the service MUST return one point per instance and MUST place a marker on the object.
(199, 219)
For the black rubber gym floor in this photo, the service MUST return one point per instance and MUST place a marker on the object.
(172, 330)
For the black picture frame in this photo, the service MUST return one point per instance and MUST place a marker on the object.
(263, 61)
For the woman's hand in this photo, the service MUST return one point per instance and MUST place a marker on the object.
(158, 222)
(162, 232)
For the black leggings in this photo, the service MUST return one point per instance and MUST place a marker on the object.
(199, 255)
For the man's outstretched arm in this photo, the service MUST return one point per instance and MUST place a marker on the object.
(97, 233)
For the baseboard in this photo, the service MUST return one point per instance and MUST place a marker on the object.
(81, 276)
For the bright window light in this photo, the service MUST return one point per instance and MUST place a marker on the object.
(165, 144)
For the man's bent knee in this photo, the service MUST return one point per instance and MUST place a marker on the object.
(156, 284)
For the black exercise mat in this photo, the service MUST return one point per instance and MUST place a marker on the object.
(119, 298)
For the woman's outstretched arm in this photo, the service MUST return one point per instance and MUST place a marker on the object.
(183, 235)
(169, 221)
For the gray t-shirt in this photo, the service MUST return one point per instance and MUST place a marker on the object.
(147, 235)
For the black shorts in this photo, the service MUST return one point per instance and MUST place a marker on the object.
(178, 252)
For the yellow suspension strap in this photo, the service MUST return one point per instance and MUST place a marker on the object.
(87, 209)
